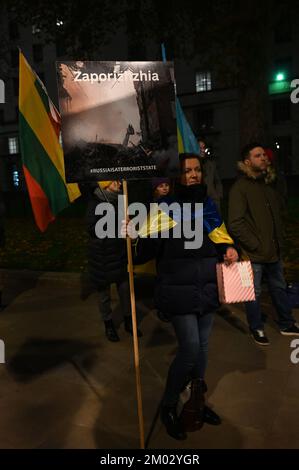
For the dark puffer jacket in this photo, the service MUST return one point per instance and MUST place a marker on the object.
(255, 216)
(186, 278)
(107, 257)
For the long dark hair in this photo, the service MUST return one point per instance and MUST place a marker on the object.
(186, 156)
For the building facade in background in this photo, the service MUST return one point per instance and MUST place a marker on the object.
(212, 111)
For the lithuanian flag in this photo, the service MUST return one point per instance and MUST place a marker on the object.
(42, 155)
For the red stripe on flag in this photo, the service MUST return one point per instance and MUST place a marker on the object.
(39, 202)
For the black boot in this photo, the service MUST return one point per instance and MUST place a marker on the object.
(172, 422)
(210, 417)
(192, 415)
(110, 331)
(129, 326)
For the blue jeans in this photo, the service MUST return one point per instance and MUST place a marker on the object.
(273, 275)
(190, 362)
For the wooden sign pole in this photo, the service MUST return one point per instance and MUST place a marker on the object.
(134, 323)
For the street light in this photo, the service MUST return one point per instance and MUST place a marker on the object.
(280, 77)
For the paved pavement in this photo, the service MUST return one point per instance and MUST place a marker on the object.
(65, 386)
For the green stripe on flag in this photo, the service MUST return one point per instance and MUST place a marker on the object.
(41, 168)
(43, 95)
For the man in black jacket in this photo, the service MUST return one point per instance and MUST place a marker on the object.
(256, 224)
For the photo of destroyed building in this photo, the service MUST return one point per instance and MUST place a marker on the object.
(118, 119)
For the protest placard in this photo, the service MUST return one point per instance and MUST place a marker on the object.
(118, 119)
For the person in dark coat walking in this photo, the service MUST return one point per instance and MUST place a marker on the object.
(255, 222)
(107, 258)
(186, 288)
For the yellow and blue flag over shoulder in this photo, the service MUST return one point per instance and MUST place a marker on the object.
(214, 225)
(160, 220)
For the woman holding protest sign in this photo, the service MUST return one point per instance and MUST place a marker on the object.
(187, 287)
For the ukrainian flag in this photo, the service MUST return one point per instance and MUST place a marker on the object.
(159, 221)
(187, 142)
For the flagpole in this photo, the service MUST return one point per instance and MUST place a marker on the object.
(163, 51)
(134, 323)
